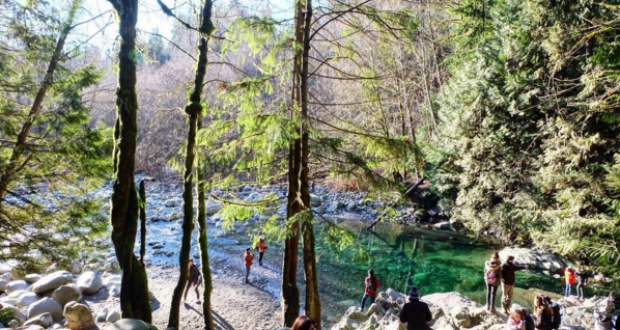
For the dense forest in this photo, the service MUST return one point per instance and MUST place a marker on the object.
(506, 111)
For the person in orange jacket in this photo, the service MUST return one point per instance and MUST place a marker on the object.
(569, 279)
(261, 247)
(249, 257)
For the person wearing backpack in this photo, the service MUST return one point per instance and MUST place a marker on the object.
(508, 282)
(372, 285)
(492, 278)
(557, 317)
(569, 279)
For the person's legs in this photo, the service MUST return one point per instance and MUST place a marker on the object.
(489, 286)
(187, 290)
(364, 297)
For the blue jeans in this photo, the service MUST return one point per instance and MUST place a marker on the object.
(364, 297)
(568, 290)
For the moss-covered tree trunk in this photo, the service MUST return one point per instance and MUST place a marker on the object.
(290, 290)
(142, 222)
(313, 304)
(124, 201)
(194, 110)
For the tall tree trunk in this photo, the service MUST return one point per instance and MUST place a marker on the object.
(194, 110)
(124, 201)
(15, 164)
(207, 282)
(142, 222)
(313, 304)
(290, 291)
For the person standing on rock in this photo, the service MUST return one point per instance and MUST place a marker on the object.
(508, 282)
(249, 257)
(261, 247)
(304, 323)
(569, 279)
(582, 281)
(193, 280)
(416, 313)
(492, 278)
(372, 285)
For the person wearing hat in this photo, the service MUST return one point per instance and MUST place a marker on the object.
(492, 277)
(193, 280)
(416, 313)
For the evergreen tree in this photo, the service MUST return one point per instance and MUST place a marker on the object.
(47, 149)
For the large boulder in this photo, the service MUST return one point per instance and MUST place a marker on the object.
(130, 324)
(16, 286)
(44, 320)
(52, 281)
(26, 299)
(90, 283)
(45, 305)
(67, 293)
(78, 316)
(535, 259)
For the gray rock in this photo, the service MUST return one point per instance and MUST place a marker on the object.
(78, 316)
(45, 305)
(102, 315)
(44, 320)
(16, 286)
(32, 278)
(113, 317)
(26, 299)
(67, 293)
(90, 283)
(52, 282)
(130, 324)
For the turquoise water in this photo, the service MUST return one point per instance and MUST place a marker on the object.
(405, 256)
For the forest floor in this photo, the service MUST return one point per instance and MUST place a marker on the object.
(235, 305)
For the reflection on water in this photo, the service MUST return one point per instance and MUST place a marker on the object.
(405, 256)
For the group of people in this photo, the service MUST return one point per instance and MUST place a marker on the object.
(580, 276)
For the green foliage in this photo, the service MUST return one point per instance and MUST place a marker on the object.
(46, 214)
(529, 124)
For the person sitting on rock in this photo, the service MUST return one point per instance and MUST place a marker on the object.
(193, 280)
(543, 313)
(304, 323)
(416, 313)
(557, 317)
(492, 277)
(515, 321)
(529, 320)
(372, 286)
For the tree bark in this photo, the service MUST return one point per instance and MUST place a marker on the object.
(313, 303)
(194, 110)
(142, 222)
(290, 291)
(124, 201)
(13, 165)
